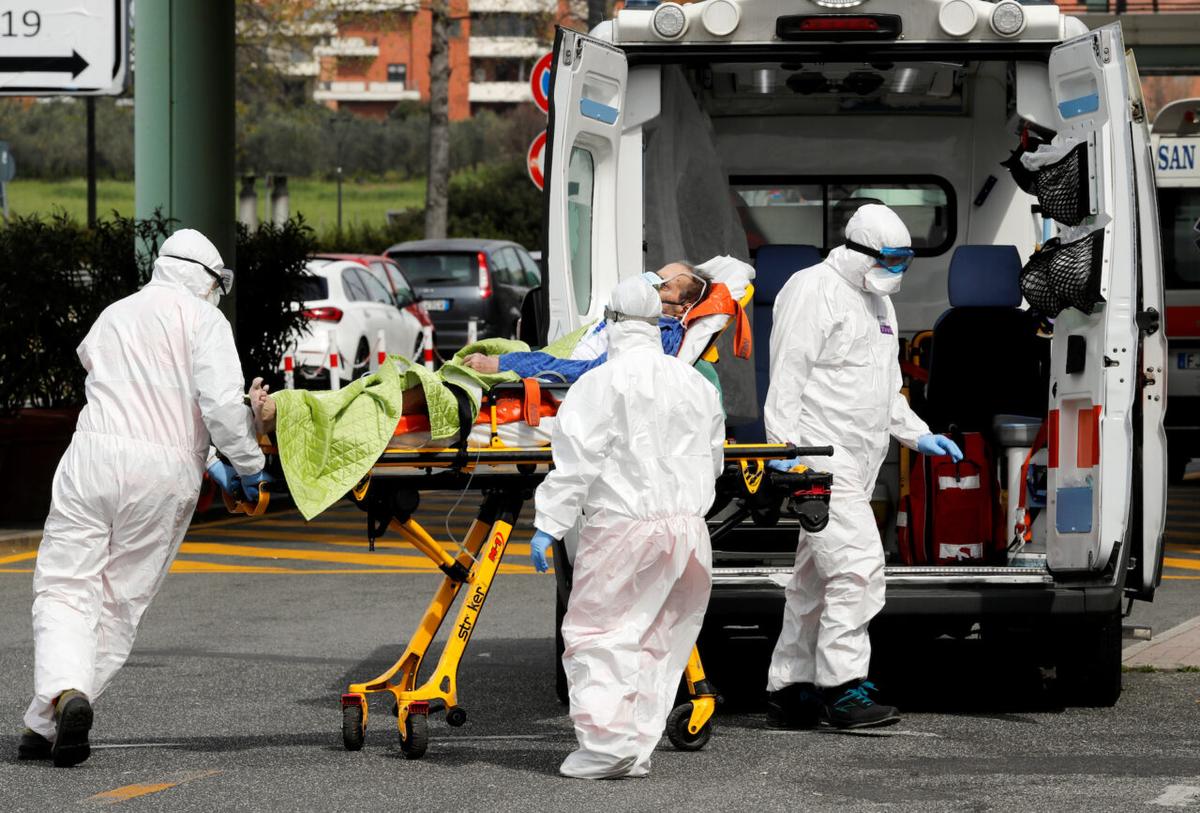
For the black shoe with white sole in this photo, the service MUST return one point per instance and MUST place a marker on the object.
(850, 706)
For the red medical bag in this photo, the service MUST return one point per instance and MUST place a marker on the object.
(952, 515)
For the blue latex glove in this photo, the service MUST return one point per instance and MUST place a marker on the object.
(783, 465)
(937, 445)
(225, 476)
(251, 483)
(537, 550)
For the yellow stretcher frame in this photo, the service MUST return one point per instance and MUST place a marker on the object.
(476, 565)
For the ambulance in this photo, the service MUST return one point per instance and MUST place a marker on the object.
(1012, 141)
(1175, 137)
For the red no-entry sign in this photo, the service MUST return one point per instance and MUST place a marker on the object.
(534, 160)
(539, 82)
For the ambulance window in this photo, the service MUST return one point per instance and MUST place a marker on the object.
(814, 211)
(1179, 213)
(581, 171)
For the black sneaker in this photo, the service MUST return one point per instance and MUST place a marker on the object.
(33, 745)
(850, 706)
(796, 706)
(74, 715)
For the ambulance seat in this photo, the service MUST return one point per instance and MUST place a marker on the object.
(774, 265)
(986, 357)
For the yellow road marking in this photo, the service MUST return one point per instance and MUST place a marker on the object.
(1182, 534)
(339, 540)
(127, 792)
(1183, 564)
(188, 566)
(18, 557)
(13, 570)
(250, 551)
(1181, 578)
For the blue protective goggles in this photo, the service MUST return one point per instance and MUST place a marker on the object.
(895, 260)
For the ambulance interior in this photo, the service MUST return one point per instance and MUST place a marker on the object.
(768, 160)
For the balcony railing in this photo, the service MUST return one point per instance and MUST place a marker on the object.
(1128, 6)
(499, 92)
(363, 92)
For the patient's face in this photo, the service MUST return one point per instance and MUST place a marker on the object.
(680, 291)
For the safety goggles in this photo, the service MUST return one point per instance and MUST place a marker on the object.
(222, 276)
(895, 260)
(613, 317)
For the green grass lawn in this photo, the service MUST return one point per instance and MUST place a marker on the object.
(316, 199)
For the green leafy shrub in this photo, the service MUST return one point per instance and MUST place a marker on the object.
(270, 262)
(55, 279)
(56, 276)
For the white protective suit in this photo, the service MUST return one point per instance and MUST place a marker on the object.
(835, 380)
(637, 446)
(163, 377)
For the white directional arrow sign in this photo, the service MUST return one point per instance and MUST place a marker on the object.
(63, 47)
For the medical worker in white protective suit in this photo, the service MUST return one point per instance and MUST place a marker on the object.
(835, 380)
(638, 447)
(163, 378)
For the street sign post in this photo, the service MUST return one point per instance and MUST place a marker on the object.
(539, 82)
(8, 171)
(63, 47)
(535, 161)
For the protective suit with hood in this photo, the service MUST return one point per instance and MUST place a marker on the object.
(638, 444)
(835, 380)
(163, 379)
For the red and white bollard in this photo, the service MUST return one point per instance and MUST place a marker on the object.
(472, 331)
(331, 352)
(289, 372)
(427, 345)
(380, 348)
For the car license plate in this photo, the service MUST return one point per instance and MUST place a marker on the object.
(1189, 361)
(437, 304)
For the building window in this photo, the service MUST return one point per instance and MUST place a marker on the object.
(397, 74)
(499, 24)
(499, 69)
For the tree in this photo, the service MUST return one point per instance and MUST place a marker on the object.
(437, 184)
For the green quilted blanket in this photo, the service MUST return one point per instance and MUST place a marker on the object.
(328, 441)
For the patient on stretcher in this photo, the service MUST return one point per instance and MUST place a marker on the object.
(698, 302)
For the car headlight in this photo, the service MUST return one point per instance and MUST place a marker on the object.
(1008, 18)
(669, 21)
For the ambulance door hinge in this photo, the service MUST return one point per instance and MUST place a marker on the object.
(1149, 321)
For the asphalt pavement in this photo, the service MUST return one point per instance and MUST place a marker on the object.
(230, 702)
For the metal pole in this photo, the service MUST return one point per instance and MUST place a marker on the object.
(339, 190)
(91, 161)
(184, 120)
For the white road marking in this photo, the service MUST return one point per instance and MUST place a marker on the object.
(116, 745)
(1177, 796)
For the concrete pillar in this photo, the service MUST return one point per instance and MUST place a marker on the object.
(184, 118)
(280, 202)
(248, 203)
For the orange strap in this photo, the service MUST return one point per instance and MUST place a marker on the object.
(914, 372)
(721, 302)
(532, 410)
(1039, 443)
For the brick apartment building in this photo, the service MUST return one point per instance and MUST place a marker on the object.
(379, 55)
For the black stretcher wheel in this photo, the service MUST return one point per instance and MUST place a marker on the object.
(416, 736)
(354, 733)
(456, 716)
(677, 729)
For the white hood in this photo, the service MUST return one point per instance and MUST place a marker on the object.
(193, 245)
(636, 298)
(872, 225)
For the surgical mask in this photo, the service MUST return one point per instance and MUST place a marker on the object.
(881, 281)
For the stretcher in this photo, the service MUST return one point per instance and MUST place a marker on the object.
(506, 478)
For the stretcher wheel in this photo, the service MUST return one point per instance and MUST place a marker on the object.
(353, 731)
(677, 729)
(456, 716)
(416, 736)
